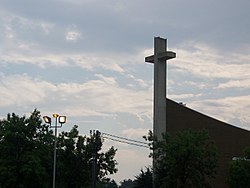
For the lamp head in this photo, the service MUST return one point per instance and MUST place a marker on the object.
(62, 119)
(55, 115)
(47, 119)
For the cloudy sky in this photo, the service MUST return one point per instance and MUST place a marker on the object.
(85, 59)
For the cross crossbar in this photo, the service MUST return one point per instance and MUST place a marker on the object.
(161, 56)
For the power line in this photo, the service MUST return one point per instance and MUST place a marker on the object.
(127, 139)
(116, 140)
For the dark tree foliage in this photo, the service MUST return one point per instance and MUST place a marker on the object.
(74, 160)
(25, 152)
(239, 171)
(128, 183)
(144, 179)
(107, 183)
(26, 155)
(188, 159)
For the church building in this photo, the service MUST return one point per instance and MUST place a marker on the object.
(230, 140)
(171, 117)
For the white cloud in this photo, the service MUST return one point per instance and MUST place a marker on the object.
(23, 90)
(85, 61)
(41, 61)
(137, 133)
(184, 96)
(100, 97)
(73, 34)
(243, 84)
(30, 53)
(105, 95)
(138, 81)
(203, 61)
(47, 27)
(227, 109)
(107, 61)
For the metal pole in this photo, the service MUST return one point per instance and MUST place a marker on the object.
(54, 167)
(94, 158)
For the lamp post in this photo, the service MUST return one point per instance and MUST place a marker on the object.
(61, 120)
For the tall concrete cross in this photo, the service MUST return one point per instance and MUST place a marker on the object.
(160, 74)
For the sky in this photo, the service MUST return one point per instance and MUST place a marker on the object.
(85, 59)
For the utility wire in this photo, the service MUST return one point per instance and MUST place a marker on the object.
(116, 140)
(127, 139)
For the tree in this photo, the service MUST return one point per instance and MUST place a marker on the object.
(26, 155)
(144, 179)
(188, 159)
(128, 183)
(107, 183)
(239, 171)
(75, 159)
(25, 151)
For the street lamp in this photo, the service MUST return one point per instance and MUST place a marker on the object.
(61, 120)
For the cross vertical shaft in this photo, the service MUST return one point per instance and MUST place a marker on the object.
(160, 74)
(160, 107)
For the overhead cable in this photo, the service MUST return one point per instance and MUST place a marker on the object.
(127, 139)
(130, 143)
